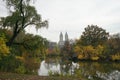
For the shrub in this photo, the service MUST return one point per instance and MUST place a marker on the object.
(116, 57)
(21, 69)
(95, 58)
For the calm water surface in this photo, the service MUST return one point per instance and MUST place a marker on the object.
(89, 70)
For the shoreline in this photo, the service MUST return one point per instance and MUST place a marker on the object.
(15, 76)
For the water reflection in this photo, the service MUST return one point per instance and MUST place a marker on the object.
(46, 67)
(115, 75)
(100, 71)
(60, 66)
(89, 70)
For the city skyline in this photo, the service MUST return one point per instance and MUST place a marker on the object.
(72, 16)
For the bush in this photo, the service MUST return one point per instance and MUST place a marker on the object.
(115, 57)
(95, 58)
(53, 73)
(21, 69)
(80, 56)
(9, 63)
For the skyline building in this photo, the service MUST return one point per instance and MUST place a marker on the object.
(61, 41)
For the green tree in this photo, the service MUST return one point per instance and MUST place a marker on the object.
(67, 51)
(113, 47)
(114, 43)
(94, 35)
(22, 14)
(33, 46)
(36, 43)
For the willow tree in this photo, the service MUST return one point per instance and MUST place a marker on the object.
(21, 15)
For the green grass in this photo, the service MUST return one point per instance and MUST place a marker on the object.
(14, 76)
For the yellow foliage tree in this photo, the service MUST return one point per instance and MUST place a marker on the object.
(99, 49)
(4, 50)
(116, 56)
(89, 51)
(79, 51)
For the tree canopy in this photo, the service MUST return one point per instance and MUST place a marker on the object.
(96, 44)
(22, 14)
(94, 35)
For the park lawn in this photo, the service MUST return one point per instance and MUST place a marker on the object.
(14, 76)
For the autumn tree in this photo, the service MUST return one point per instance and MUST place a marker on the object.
(4, 50)
(31, 48)
(114, 43)
(22, 14)
(94, 35)
(92, 45)
(113, 46)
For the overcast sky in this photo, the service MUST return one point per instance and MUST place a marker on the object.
(72, 16)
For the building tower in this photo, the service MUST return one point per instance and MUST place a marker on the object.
(66, 37)
(61, 42)
(61, 37)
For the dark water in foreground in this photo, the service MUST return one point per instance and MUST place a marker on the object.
(88, 70)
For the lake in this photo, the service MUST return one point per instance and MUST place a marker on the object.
(88, 70)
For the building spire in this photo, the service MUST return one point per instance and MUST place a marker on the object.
(66, 37)
(61, 36)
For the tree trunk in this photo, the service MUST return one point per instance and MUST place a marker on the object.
(15, 33)
(10, 42)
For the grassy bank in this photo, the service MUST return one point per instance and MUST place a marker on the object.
(14, 76)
